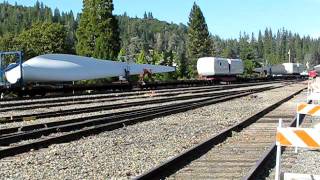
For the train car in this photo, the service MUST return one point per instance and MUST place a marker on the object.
(284, 69)
(57, 72)
(294, 68)
(317, 68)
(65, 67)
(212, 66)
(219, 69)
(236, 66)
(278, 69)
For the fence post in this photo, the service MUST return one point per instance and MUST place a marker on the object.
(278, 157)
(297, 125)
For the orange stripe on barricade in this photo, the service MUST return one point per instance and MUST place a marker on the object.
(306, 138)
(283, 140)
(314, 110)
(301, 106)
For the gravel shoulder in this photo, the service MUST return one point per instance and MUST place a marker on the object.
(81, 115)
(306, 161)
(132, 150)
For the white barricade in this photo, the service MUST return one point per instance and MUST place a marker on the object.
(313, 92)
(295, 137)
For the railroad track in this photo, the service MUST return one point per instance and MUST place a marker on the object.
(48, 103)
(103, 115)
(34, 116)
(266, 163)
(71, 131)
(232, 153)
(134, 91)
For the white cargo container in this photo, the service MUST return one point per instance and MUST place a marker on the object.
(64, 67)
(211, 66)
(317, 68)
(236, 66)
(278, 69)
(293, 68)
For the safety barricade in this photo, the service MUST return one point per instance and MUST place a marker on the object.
(307, 109)
(295, 137)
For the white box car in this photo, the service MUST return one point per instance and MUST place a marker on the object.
(213, 66)
(236, 66)
(210, 66)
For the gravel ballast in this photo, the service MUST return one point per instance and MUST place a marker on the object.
(79, 115)
(306, 161)
(132, 150)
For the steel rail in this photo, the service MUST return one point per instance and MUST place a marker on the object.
(34, 116)
(259, 167)
(103, 98)
(176, 163)
(95, 127)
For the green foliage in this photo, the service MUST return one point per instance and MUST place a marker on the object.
(8, 42)
(248, 67)
(157, 57)
(141, 58)
(98, 32)
(43, 38)
(122, 55)
(16, 18)
(199, 43)
(161, 42)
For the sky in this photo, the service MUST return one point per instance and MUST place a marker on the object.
(226, 18)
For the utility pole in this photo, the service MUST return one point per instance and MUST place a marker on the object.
(289, 56)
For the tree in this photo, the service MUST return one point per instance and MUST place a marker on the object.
(8, 42)
(199, 43)
(56, 15)
(43, 38)
(142, 58)
(98, 32)
(121, 55)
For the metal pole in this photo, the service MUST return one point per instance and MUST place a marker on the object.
(2, 76)
(289, 56)
(20, 61)
(2, 70)
(278, 158)
(72, 87)
(297, 125)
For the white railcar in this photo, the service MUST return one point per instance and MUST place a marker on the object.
(282, 69)
(317, 68)
(293, 68)
(278, 69)
(64, 67)
(213, 66)
(236, 66)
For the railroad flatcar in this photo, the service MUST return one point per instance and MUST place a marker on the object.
(55, 72)
(65, 67)
(216, 68)
(282, 69)
(317, 68)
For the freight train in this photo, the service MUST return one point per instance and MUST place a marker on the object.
(219, 69)
(223, 69)
(285, 69)
(52, 72)
(57, 72)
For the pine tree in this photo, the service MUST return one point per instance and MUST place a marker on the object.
(42, 38)
(141, 58)
(98, 32)
(199, 43)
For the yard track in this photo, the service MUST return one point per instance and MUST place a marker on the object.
(186, 95)
(42, 135)
(232, 153)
